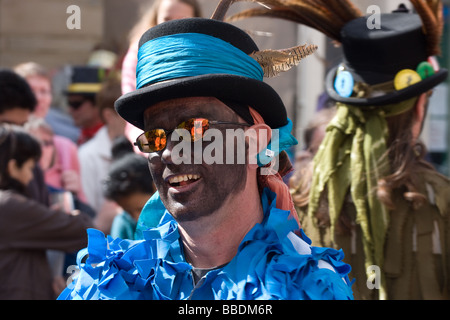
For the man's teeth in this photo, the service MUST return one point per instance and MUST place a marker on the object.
(182, 178)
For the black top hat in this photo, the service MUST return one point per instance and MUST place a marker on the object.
(375, 60)
(86, 80)
(226, 85)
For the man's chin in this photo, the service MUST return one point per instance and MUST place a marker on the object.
(185, 215)
(190, 210)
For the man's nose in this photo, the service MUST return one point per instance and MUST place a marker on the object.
(179, 148)
(166, 156)
(171, 152)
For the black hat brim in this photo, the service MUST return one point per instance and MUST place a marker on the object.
(239, 89)
(389, 98)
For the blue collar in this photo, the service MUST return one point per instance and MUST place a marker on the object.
(266, 266)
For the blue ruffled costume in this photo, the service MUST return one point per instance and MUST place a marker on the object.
(268, 265)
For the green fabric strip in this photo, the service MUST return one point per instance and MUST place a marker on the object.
(352, 157)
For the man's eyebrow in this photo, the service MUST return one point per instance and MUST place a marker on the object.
(199, 114)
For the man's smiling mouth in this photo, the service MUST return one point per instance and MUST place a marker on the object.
(183, 180)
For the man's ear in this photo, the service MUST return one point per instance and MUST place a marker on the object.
(259, 136)
(419, 115)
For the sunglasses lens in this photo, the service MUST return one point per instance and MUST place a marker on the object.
(75, 104)
(156, 139)
(152, 141)
(196, 127)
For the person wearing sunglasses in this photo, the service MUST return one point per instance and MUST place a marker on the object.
(217, 227)
(95, 155)
(81, 100)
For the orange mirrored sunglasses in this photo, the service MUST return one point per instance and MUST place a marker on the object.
(156, 139)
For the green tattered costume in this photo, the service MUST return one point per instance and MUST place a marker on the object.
(406, 243)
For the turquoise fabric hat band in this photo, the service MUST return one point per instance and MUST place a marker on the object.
(191, 54)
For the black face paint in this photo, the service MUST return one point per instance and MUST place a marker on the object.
(207, 186)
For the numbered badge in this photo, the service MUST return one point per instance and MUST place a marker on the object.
(344, 83)
(425, 70)
(406, 78)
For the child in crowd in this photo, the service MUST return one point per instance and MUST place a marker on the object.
(130, 185)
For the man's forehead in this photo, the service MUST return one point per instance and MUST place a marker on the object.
(187, 107)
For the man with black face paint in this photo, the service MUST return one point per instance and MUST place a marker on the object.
(222, 229)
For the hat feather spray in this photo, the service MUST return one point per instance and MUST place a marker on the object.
(329, 16)
(273, 62)
(331, 170)
(431, 13)
(325, 16)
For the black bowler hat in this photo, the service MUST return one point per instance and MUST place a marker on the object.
(233, 89)
(373, 58)
(86, 80)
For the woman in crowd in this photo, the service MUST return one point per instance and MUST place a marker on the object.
(160, 11)
(27, 228)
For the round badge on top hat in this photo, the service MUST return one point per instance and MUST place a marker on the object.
(344, 83)
(378, 56)
(406, 78)
(425, 69)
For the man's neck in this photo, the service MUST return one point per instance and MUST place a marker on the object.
(213, 240)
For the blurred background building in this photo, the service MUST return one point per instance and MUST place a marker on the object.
(36, 30)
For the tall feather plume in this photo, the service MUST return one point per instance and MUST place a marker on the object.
(275, 61)
(329, 16)
(221, 9)
(431, 13)
(224, 5)
(307, 16)
(326, 16)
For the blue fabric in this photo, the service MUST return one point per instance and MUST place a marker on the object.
(281, 140)
(191, 54)
(266, 266)
(150, 216)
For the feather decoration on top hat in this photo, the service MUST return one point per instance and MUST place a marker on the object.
(371, 67)
(431, 13)
(272, 61)
(329, 16)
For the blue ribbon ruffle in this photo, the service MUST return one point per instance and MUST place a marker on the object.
(266, 266)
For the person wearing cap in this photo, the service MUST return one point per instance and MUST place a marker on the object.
(371, 192)
(95, 155)
(81, 94)
(60, 154)
(227, 228)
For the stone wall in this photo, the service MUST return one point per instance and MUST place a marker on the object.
(37, 30)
